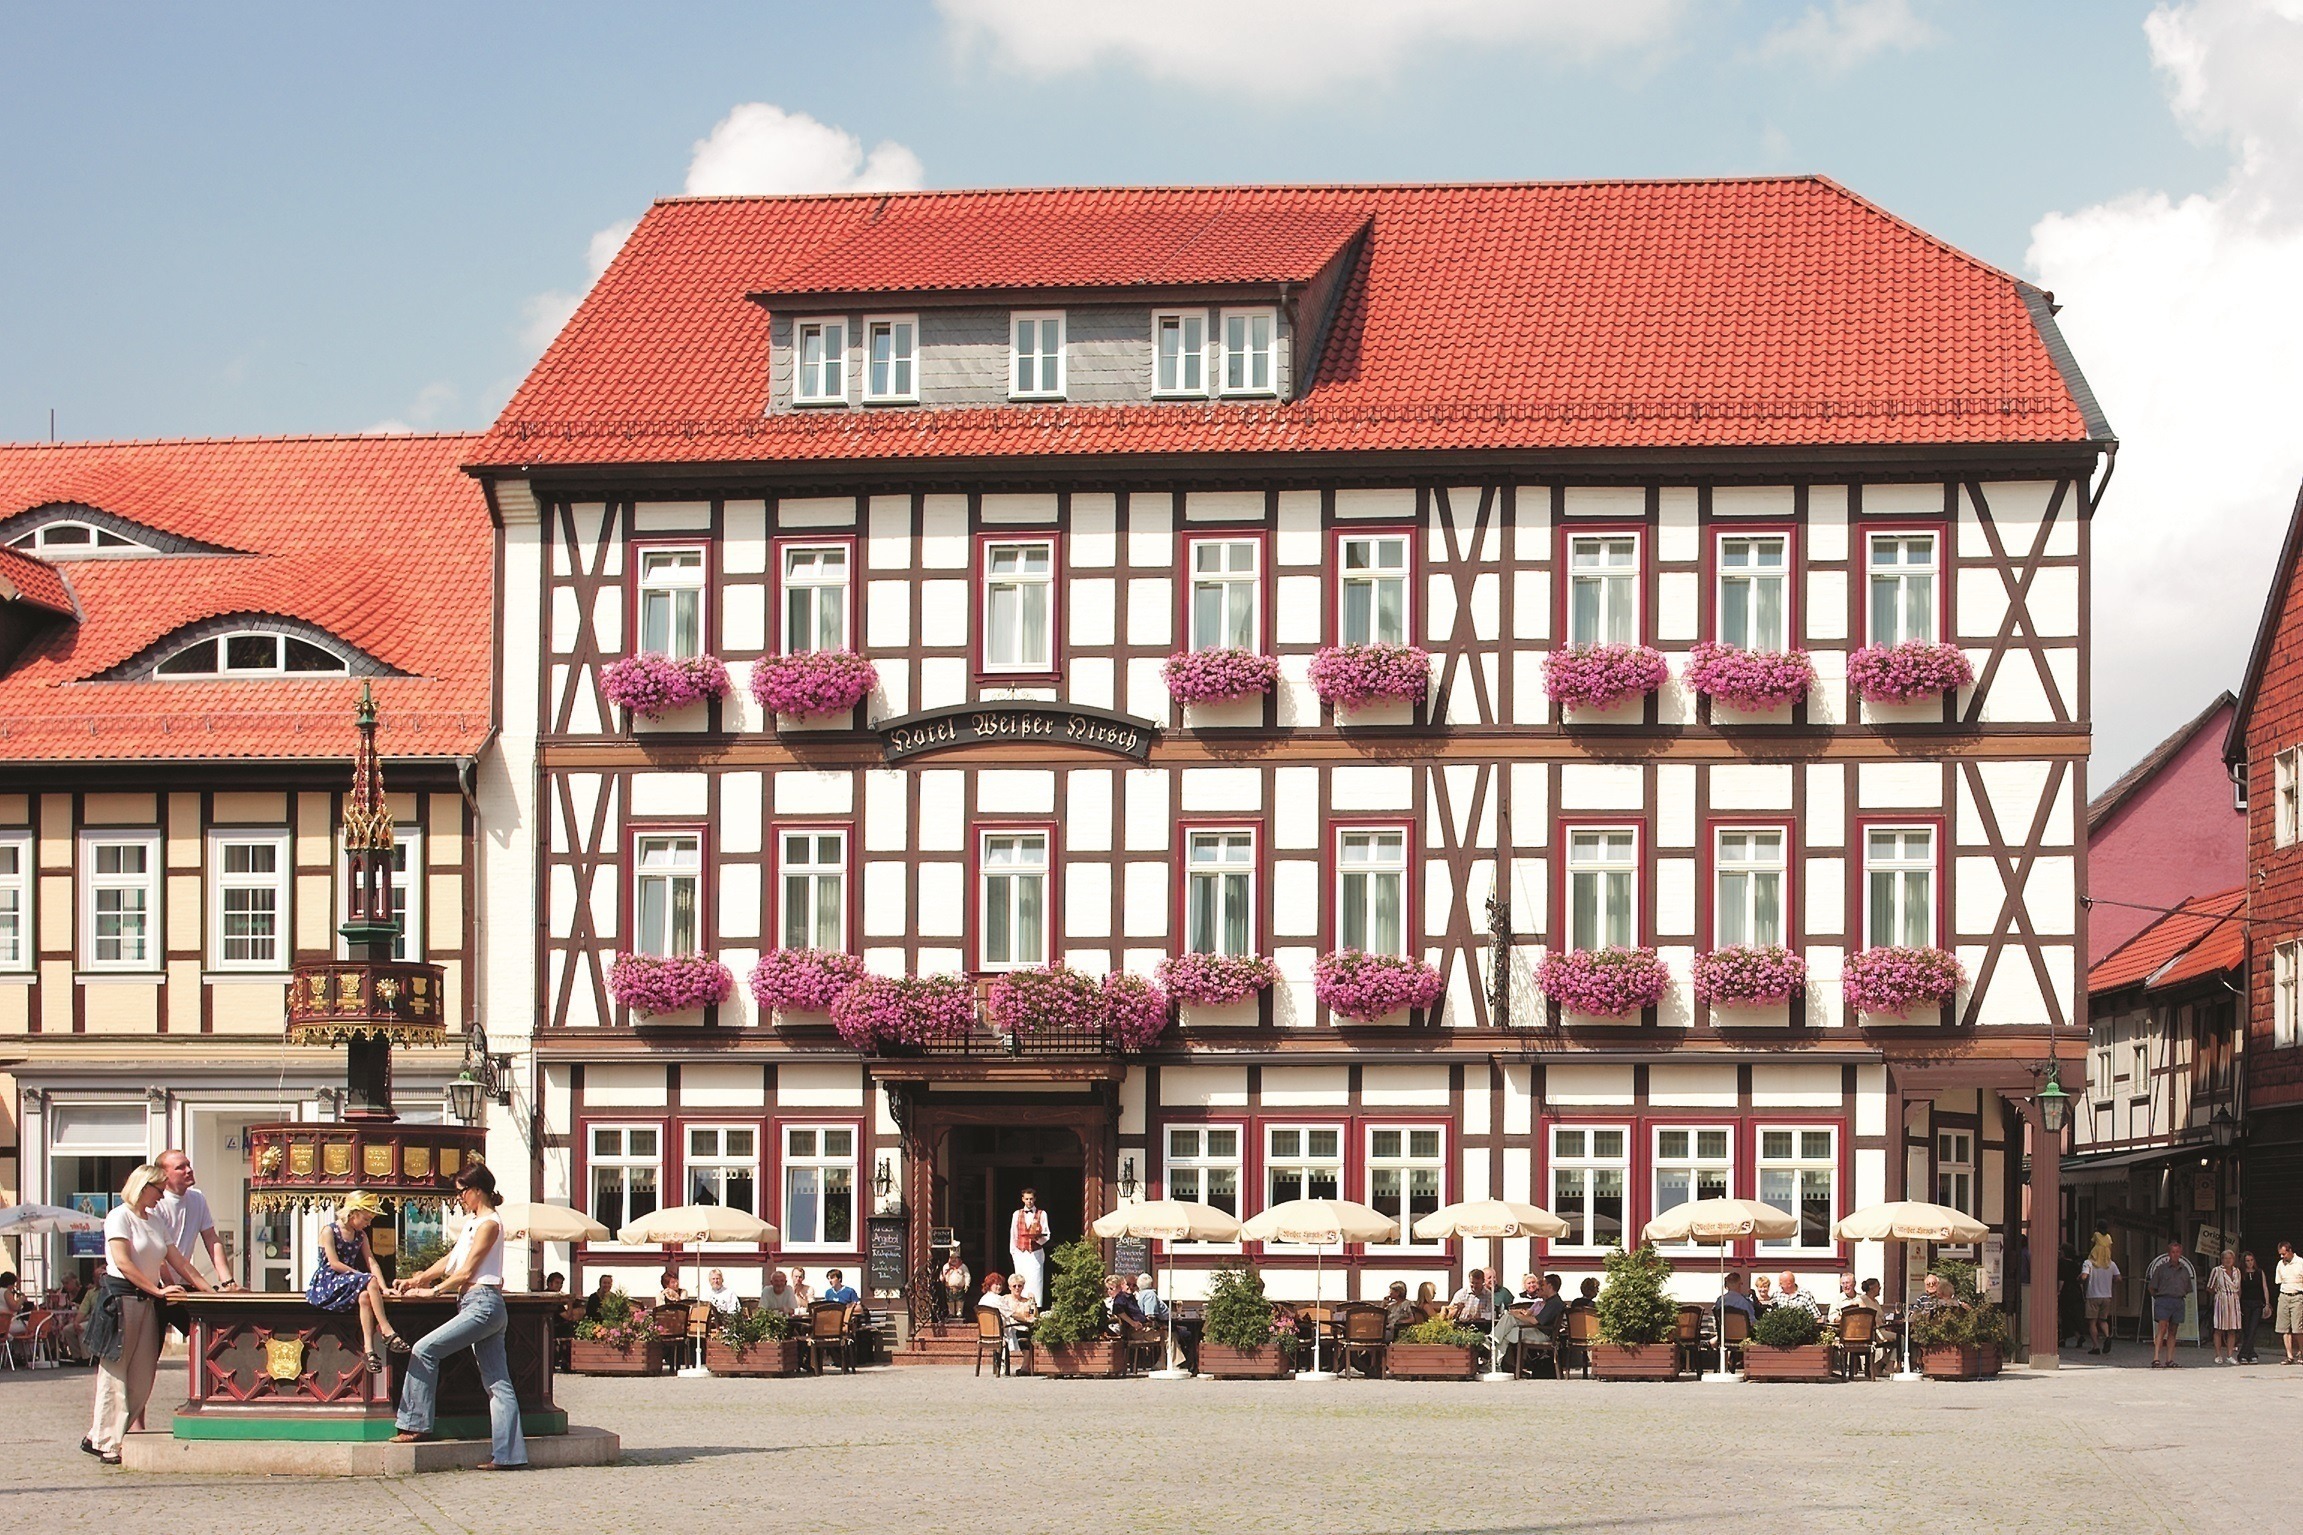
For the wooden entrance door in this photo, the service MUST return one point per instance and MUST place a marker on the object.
(989, 1167)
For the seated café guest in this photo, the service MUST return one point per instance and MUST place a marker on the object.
(838, 1289)
(1471, 1305)
(669, 1292)
(1788, 1293)
(1762, 1293)
(1849, 1298)
(778, 1295)
(1525, 1318)
(1022, 1312)
(1398, 1311)
(1147, 1299)
(13, 1307)
(599, 1297)
(1119, 1304)
(1869, 1290)
(1936, 1295)
(956, 1283)
(347, 1276)
(995, 1294)
(800, 1284)
(1586, 1297)
(719, 1297)
(69, 1319)
(1426, 1294)
(1735, 1298)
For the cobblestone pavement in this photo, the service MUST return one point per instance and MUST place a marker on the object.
(2135, 1448)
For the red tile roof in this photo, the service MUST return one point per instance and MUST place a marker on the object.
(2204, 936)
(24, 578)
(1626, 315)
(381, 541)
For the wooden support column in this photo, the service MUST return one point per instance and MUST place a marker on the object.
(1898, 1177)
(2045, 1230)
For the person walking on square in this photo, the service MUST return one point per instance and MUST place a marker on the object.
(1027, 1247)
(2170, 1281)
(2288, 1277)
(2100, 1276)
(473, 1270)
(2254, 1303)
(2223, 1284)
(347, 1277)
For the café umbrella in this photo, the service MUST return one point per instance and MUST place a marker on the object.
(1316, 1223)
(46, 1220)
(1493, 1219)
(693, 1224)
(1170, 1221)
(1721, 1221)
(529, 1221)
(1908, 1220)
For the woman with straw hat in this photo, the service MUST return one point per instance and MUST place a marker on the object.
(347, 1277)
(142, 1267)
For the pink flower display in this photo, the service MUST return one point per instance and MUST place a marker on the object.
(1353, 676)
(1897, 674)
(813, 682)
(804, 980)
(1137, 1009)
(1746, 973)
(1605, 983)
(1749, 679)
(1355, 984)
(1595, 676)
(1893, 980)
(652, 685)
(1046, 999)
(1218, 676)
(1216, 980)
(654, 984)
(904, 1010)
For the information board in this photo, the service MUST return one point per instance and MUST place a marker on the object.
(885, 1258)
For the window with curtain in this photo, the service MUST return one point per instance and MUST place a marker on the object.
(820, 362)
(250, 874)
(1406, 1174)
(1903, 573)
(1371, 889)
(1014, 876)
(1590, 1167)
(1371, 587)
(819, 1186)
(1250, 351)
(1037, 367)
(672, 602)
(815, 592)
(1799, 1173)
(1181, 348)
(1302, 1162)
(1747, 885)
(890, 366)
(1602, 887)
(1603, 589)
(1754, 578)
(15, 903)
(1226, 594)
(1019, 603)
(1691, 1163)
(625, 1161)
(667, 868)
(1203, 1163)
(723, 1166)
(120, 892)
(1219, 892)
(815, 888)
(1899, 881)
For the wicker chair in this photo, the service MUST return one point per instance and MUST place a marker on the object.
(1576, 1339)
(1738, 1332)
(1856, 1347)
(1364, 1340)
(830, 1331)
(670, 1321)
(992, 1339)
(1689, 1337)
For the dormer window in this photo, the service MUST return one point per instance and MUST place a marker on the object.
(251, 653)
(891, 363)
(820, 357)
(70, 538)
(1036, 366)
(1250, 363)
(1180, 345)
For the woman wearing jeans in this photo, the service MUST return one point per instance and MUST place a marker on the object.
(474, 1268)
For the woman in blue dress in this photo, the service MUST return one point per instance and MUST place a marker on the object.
(347, 1277)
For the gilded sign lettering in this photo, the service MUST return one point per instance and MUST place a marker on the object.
(1001, 724)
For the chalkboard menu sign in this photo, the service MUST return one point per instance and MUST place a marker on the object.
(886, 1266)
(1131, 1256)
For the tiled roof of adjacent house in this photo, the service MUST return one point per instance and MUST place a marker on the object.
(26, 578)
(1604, 315)
(382, 542)
(2205, 935)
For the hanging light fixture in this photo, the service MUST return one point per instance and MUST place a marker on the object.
(465, 1098)
(2054, 1102)
(2224, 1128)
(1127, 1184)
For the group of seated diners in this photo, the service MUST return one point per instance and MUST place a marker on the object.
(50, 1327)
(1131, 1311)
(786, 1290)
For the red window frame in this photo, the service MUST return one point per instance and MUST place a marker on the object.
(851, 894)
(1331, 900)
(580, 1166)
(1653, 1120)
(1794, 606)
(1216, 533)
(1622, 1117)
(1355, 1123)
(1859, 894)
(1563, 575)
(1866, 530)
(1179, 905)
(973, 928)
(837, 1119)
(1643, 898)
(1413, 534)
(1843, 1187)
(634, 548)
(1641, 1121)
(979, 576)
(776, 548)
(733, 1119)
(628, 906)
(1707, 876)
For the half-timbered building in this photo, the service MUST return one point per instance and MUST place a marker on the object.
(1552, 447)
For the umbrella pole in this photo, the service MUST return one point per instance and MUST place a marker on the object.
(1903, 1326)
(1174, 1371)
(1318, 1298)
(697, 1369)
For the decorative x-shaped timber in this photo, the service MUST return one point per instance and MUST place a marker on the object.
(1459, 846)
(586, 578)
(1464, 574)
(2017, 581)
(2015, 865)
(587, 863)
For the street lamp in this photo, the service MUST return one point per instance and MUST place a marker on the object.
(883, 1179)
(464, 1097)
(1128, 1177)
(2054, 1102)
(2224, 1128)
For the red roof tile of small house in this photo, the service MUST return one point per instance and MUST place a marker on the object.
(26, 578)
(2203, 936)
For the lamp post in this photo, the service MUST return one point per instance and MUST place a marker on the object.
(2054, 1103)
(1127, 1178)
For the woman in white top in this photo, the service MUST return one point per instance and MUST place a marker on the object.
(143, 1267)
(473, 1268)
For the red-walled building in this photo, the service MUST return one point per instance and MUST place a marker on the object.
(2169, 829)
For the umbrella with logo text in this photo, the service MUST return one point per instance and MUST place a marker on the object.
(1170, 1221)
(1720, 1221)
(695, 1224)
(1315, 1223)
(1494, 1219)
(1908, 1220)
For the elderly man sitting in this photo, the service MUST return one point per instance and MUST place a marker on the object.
(1788, 1293)
(1536, 1321)
(779, 1295)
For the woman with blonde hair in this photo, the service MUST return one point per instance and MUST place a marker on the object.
(124, 1332)
(347, 1276)
(473, 1270)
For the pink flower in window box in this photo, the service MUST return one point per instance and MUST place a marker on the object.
(1355, 984)
(1137, 1009)
(1353, 676)
(1218, 676)
(811, 683)
(1750, 679)
(1605, 983)
(1596, 676)
(652, 685)
(1216, 980)
(804, 980)
(1741, 974)
(655, 984)
(1046, 999)
(904, 1010)
(1897, 674)
(1896, 980)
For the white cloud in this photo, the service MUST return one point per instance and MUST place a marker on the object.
(542, 316)
(1287, 47)
(760, 149)
(1848, 33)
(2186, 316)
(428, 412)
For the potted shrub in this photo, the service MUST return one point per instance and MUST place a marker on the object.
(1638, 1322)
(1966, 1339)
(754, 1342)
(1604, 983)
(1787, 1344)
(1901, 674)
(895, 1013)
(1069, 1338)
(809, 684)
(1600, 676)
(655, 984)
(1436, 1349)
(1896, 980)
(1755, 680)
(803, 980)
(651, 685)
(1244, 1336)
(1218, 676)
(1354, 676)
(1355, 984)
(620, 1341)
(1749, 975)
(1216, 980)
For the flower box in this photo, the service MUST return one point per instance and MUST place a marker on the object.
(1596, 676)
(1959, 1361)
(1635, 1361)
(769, 1356)
(1754, 680)
(1216, 980)
(656, 984)
(1096, 1360)
(813, 683)
(1356, 984)
(1225, 1363)
(1354, 676)
(587, 1356)
(1136, 1011)
(803, 980)
(880, 1011)
(1901, 674)
(1744, 975)
(1429, 1361)
(1218, 676)
(1604, 983)
(651, 685)
(1807, 1361)
(1895, 980)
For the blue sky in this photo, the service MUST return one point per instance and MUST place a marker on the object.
(285, 218)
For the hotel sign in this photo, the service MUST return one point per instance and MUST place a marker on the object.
(1016, 724)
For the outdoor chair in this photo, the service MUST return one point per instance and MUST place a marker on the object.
(1529, 1351)
(1363, 1340)
(992, 1339)
(1689, 1337)
(670, 1322)
(1856, 1346)
(1738, 1333)
(1582, 1331)
(829, 1333)
(1141, 1344)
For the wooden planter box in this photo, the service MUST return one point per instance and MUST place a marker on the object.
(1266, 1363)
(1808, 1361)
(588, 1357)
(767, 1357)
(1099, 1360)
(1959, 1361)
(1635, 1361)
(1429, 1361)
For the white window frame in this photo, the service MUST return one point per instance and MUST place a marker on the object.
(1589, 1163)
(673, 583)
(1591, 564)
(1016, 875)
(1224, 584)
(1902, 868)
(1374, 575)
(1304, 1160)
(1024, 583)
(831, 333)
(671, 875)
(1405, 1162)
(2287, 994)
(1607, 874)
(625, 1161)
(1040, 389)
(719, 1161)
(1180, 322)
(1357, 887)
(279, 884)
(93, 884)
(2139, 1068)
(2099, 1065)
(1801, 1165)
(17, 884)
(407, 894)
(903, 367)
(808, 586)
(1956, 1166)
(1186, 1171)
(1747, 905)
(814, 873)
(1234, 884)
(1753, 577)
(1694, 1163)
(218, 647)
(38, 541)
(1255, 361)
(822, 1161)
(1888, 623)
(2287, 800)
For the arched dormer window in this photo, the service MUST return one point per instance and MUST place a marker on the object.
(68, 537)
(253, 653)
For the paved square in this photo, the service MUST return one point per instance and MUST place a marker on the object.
(2122, 1446)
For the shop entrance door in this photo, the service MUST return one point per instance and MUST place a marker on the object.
(989, 1167)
